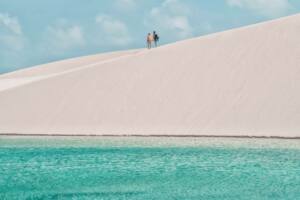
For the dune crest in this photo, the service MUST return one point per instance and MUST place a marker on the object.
(242, 82)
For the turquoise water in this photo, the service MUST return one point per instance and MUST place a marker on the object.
(149, 168)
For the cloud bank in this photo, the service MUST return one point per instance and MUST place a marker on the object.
(172, 17)
(267, 8)
(11, 34)
(64, 37)
(113, 30)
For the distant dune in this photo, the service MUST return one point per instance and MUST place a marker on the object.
(242, 82)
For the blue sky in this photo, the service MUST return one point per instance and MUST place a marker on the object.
(34, 31)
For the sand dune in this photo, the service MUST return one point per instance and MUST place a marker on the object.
(21, 77)
(242, 82)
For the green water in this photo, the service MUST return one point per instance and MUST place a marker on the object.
(149, 168)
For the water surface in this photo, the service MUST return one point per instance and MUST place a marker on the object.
(148, 168)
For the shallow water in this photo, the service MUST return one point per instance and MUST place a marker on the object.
(149, 168)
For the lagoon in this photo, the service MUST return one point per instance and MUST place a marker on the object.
(148, 168)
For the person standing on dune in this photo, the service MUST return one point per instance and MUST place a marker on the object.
(149, 40)
(155, 38)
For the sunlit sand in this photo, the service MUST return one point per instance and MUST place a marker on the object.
(242, 82)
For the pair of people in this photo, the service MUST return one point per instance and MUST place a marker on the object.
(152, 38)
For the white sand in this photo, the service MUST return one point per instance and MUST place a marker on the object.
(243, 82)
(28, 75)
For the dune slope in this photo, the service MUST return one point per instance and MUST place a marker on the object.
(243, 82)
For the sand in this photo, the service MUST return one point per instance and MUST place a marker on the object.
(242, 82)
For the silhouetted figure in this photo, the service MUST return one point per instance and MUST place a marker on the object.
(149, 40)
(155, 38)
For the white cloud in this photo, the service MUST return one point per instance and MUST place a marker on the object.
(172, 18)
(63, 36)
(10, 23)
(268, 8)
(113, 30)
(11, 35)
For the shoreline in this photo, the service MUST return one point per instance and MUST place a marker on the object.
(149, 136)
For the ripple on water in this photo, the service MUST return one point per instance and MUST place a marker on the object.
(148, 168)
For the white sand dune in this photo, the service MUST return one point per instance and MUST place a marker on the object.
(21, 77)
(243, 82)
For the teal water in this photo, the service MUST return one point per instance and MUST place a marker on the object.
(149, 168)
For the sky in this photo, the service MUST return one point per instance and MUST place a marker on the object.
(33, 32)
